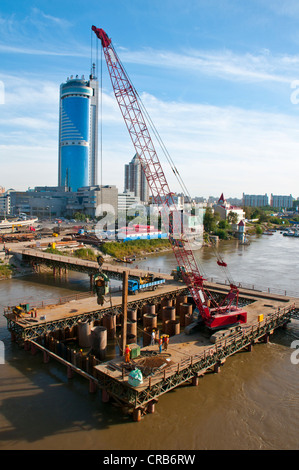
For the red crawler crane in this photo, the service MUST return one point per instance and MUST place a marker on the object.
(214, 315)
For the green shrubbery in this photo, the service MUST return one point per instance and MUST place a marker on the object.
(55, 251)
(85, 253)
(82, 253)
(133, 247)
(5, 270)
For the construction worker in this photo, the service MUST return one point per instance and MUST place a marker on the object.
(160, 344)
(166, 341)
(127, 354)
(153, 336)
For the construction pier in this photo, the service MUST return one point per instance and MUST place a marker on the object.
(79, 333)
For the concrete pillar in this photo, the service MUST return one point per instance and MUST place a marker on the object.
(84, 333)
(169, 302)
(180, 299)
(46, 357)
(150, 309)
(266, 338)
(99, 341)
(69, 372)
(195, 380)
(137, 414)
(172, 327)
(168, 313)
(151, 407)
(74, 357)
(185, 309)
(92, 386)
(131, 331)
(150, 320)
(132, 314)
(105, 396)
(147, 336)
(79, 359)
(109, 322)
(131, 325)
(166, 303)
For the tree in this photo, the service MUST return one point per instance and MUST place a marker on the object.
(222, 234)
(263, 217)
(232, 217)
(80, 216)
(223, 225)
(209, 220)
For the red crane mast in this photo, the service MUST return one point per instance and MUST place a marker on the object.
(213, 315)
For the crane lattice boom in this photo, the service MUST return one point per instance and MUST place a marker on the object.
(213, 314)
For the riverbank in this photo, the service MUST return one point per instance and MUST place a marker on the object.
(12, 267)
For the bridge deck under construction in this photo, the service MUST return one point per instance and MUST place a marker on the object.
(49, 317)
(187, 357)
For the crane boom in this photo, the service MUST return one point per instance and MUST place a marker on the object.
(214, 316)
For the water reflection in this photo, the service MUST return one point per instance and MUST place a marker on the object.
(269, 261)
(252, 404)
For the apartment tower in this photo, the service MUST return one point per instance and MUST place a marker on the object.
(135, 180)
(78, 133)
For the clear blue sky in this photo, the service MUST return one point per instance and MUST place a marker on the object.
(216, 77)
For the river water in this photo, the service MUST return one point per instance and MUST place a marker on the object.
(252, 403)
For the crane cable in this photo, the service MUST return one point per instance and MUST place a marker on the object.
(171, 163)
(165, 151)
(156, 133)
(160, 141)
(220, 262)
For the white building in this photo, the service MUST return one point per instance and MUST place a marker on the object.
(224, 208)
(175, 199)
(127, 200)
(5, 202)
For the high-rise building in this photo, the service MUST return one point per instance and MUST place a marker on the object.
(78, 133)
(281, 202)
(135, 180)
(255, 200)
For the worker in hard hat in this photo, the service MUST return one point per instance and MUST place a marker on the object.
(127, 354)
(153, 337)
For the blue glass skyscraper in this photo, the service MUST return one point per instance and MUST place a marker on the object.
(78, 133)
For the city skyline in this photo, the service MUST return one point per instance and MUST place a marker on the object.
(218, 81)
